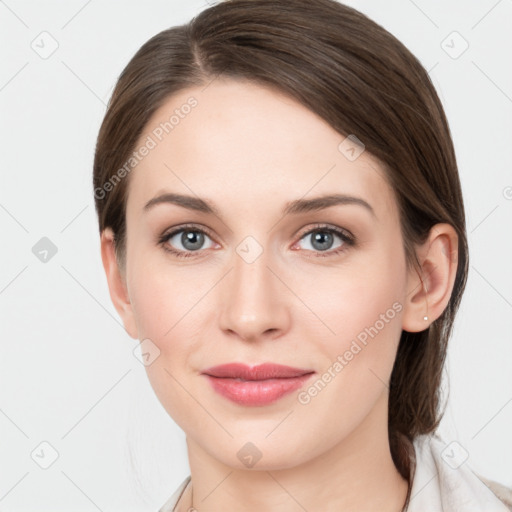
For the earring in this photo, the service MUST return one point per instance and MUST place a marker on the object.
(425, 318)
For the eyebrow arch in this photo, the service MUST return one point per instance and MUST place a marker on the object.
(293, 207)
(322, 202)
(189, 202)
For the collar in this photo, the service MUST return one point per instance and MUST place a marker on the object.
(444, 482)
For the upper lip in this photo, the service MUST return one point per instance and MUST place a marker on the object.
(259, 372)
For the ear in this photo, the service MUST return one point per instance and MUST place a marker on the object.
(117, 283)
(429, 291)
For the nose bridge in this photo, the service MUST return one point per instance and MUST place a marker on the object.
(252, 302)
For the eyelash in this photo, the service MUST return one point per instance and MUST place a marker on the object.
(347, 238)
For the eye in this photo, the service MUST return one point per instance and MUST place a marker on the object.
(185, 240)
(322, 239)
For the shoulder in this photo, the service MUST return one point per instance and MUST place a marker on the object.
(444, 481)
(171, 503)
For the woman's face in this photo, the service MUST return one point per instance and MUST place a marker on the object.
(261, 285)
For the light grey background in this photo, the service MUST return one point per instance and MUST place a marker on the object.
(68, 374)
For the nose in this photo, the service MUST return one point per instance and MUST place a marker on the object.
(254, 300)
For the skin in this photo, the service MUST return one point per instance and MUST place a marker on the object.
(250, 150)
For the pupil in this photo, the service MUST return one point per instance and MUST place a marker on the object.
(192, 240)
(324, 240)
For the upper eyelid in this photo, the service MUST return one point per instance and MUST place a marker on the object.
(327, 227)
(186, 227)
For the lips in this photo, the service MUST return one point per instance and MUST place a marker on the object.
(256, 386)
(260, 372)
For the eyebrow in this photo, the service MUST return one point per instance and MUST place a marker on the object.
(297, 206)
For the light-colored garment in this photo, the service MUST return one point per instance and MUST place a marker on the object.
(443, 482)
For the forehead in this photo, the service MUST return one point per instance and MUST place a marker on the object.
(236, 139)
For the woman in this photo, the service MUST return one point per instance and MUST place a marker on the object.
(282, 226)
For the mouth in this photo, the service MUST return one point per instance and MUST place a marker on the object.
(255, 386)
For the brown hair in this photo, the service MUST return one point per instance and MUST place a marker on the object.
(361, 80)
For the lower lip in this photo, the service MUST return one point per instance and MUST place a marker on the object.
(256, 392)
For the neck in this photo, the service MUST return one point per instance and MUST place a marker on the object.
(357, 474)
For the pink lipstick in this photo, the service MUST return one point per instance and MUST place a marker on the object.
(258, 385)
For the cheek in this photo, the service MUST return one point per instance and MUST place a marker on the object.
(152, 307)
(162, 300)
(355, 297)
(166, 309)
(360, 311)
(364, 312)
